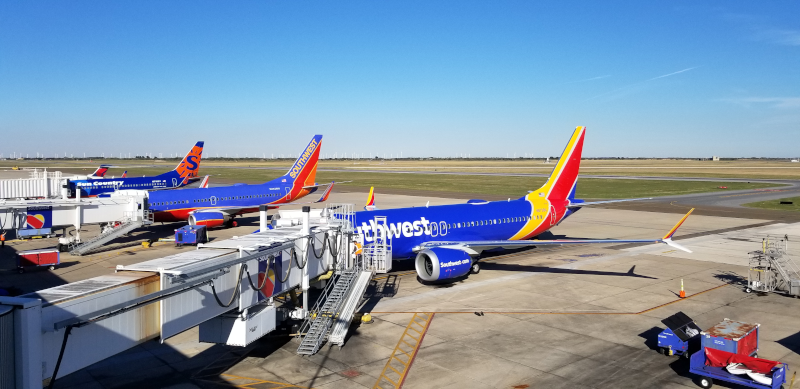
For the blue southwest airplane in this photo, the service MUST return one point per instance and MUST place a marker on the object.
(217, 206)
(184, 174)
(448, 240)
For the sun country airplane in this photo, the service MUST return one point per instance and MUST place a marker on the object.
(217, 206)
(447, 240)
(184, 174)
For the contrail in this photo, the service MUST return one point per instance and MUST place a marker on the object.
(641, 82)
(672, 74)
(590, 79)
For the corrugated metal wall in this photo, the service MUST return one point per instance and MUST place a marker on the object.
(30, 187)
(105, 338)
(7, 375)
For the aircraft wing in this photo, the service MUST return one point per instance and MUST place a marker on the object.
(475, 247)
(584, 204)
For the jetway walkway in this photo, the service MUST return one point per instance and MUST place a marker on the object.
(227, 288)
(29, 218)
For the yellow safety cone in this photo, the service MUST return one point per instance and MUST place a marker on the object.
(683, 294)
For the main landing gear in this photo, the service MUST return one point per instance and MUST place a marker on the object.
(476, 268)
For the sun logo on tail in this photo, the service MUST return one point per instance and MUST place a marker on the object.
(190, 165)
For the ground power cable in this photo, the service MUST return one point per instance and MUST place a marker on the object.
(264, 281)
(235, 291)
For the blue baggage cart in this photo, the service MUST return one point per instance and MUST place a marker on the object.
(734, 343)
(190, 234)
(707, 374)
(675, 339)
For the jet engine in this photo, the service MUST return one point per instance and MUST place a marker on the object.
(209, 219)
(440, 263)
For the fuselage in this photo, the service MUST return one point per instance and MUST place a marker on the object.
(95, 187)
(225, 202)
(176, 205)
(496, 220)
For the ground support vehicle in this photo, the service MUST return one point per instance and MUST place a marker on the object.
(190, 234)
(711, 364)
(45, 257)
(675, 339)
(728, 352)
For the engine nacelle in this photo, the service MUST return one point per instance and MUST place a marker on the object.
(209, 219)
(439, 263)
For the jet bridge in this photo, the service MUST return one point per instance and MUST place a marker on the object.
(45, 217)
(227, 288)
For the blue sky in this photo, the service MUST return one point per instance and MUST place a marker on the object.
(425, 78)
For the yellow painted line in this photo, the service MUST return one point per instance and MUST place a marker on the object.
(258, 382)
(397, 382)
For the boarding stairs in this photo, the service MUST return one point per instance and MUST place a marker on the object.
(341, 323)
(334, 309)
(772, 268)
(112, 232)
(378, 253)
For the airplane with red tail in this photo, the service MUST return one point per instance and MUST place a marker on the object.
(218, 206)
(447, 241)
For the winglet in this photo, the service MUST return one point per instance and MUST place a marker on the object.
(326, 193)
(124, 175)
(670, 243)
(671, 232)
(370, 206)
(204, 183)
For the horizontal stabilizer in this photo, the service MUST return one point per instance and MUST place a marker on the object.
(584, 204)
(326, 193)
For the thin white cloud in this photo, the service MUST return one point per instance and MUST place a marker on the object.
(762, 29)
(591, 79)
(773, 102)
(627, 87)
(783, 37)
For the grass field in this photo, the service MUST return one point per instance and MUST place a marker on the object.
(489, 185)
(776, 204)
(661, 168)
(226, 173)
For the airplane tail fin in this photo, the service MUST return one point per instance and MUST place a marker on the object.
(563, 180)
(370, 206)
(190, 164)
(101, 171)
(124, 175)
(304, 171)
(204, 183)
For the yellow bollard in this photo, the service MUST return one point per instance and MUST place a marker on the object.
(366, 318)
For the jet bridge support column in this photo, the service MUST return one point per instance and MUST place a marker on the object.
(25, 340)
(305, 282)
(262, 212)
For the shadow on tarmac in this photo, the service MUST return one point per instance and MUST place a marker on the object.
(555, 270)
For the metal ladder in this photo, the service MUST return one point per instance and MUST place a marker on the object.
(773, 261)
(126, 226)
(378, 253)
(320, 319)
(341, 323)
